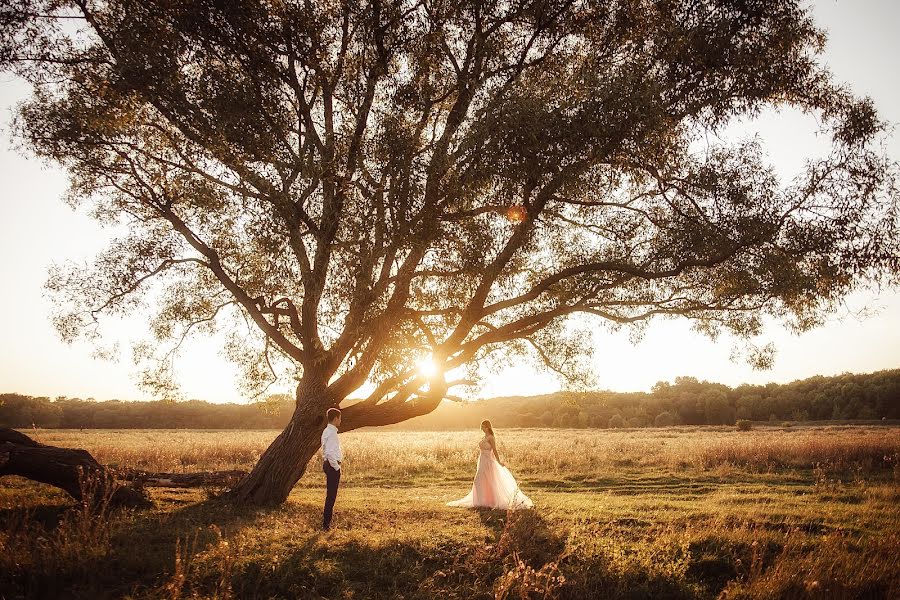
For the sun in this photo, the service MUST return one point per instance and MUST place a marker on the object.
(516, 213)
(427, 367)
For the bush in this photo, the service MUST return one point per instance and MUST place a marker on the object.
(744, 425)
(616, 422)
(664, 419)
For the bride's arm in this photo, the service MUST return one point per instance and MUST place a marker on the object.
(493, 444)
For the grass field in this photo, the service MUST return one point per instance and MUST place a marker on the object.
(800, 512)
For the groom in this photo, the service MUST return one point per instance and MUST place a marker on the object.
(331, 463)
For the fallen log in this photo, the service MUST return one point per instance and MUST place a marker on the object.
(72, 470)
(201, 479)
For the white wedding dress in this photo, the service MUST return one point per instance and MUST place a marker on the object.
(494, 485)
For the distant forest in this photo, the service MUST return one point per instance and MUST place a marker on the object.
(687, 401)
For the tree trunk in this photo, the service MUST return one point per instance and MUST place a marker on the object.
(284, 461)
(73, 470)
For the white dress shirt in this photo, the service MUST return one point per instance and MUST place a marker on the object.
(331, 447)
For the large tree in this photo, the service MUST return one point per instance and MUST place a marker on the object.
(362, 184)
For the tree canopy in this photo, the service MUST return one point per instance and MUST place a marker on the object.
(352, 186)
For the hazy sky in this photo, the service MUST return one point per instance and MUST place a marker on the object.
(37, 229)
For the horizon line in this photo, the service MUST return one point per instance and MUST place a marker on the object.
(248, 402)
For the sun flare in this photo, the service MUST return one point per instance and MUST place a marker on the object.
(428, 367)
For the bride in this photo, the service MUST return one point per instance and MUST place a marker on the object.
(494, 485)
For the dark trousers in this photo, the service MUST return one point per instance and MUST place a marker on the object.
(332, 479)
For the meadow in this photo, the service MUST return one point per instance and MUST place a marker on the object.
(684, 512)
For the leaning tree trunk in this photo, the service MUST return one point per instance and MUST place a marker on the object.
(284, 461)
(73, 470)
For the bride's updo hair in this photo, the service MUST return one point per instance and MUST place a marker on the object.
(487, 424)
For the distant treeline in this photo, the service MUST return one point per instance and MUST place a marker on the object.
(687, 401)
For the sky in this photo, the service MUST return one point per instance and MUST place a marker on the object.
(38, 229)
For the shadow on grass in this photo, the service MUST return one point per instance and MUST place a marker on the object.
(186, 553)
(524, 534)
(686, 484)
(346, 563)
(319, 568)
(413, 550)
(190, 529)
(57, 551)
(47, 516)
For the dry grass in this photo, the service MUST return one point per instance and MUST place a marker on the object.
(579, 453)
(70, 544)
(164, 449)
(841, 567)
(679, 513)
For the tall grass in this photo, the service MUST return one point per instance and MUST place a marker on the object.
(531, 452)
(166, 450)
(840, 568)
(40, 555)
